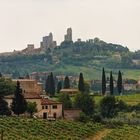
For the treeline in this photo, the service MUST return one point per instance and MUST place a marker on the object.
(96, 45)
(111, 83)
(53, 86)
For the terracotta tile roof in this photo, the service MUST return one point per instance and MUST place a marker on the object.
(24, 80)
(45, 101)
(69, 90)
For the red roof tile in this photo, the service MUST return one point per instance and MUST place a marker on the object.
(45, 101)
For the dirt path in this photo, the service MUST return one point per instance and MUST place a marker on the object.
(99, 135)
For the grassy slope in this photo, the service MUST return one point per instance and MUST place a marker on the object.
(133, 99)
(31, 129)
(96, 72)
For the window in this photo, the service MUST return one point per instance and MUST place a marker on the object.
(54, 106)
(42, 107)
(46, 107)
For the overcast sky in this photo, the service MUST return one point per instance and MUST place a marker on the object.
(27, 21)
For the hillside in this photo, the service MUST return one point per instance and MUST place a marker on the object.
(71, 58)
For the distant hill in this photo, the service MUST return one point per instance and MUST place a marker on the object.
(73, 57)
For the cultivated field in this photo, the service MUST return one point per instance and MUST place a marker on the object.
(33, 129)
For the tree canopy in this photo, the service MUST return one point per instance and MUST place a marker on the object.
(6, 86)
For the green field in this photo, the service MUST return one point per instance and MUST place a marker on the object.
(96, 72)
(132, 99)
(33, 129)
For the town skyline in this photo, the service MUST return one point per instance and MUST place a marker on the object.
(25, 22)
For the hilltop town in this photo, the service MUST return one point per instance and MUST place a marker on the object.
(46, 43)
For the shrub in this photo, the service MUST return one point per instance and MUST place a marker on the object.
(113, 123)
(85, 103)
(97, 118)
(122, 106)
(83, 117)
(108, 107)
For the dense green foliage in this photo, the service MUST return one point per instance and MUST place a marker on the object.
(108, 107)
(35, 129)
(4, 110)
(31, 108)
(85, 103)
(66, 100)
(6, 87)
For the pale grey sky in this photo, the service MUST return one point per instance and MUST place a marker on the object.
(26, 21)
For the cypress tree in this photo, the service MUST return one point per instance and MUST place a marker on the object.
(66, 83)
(103, 82)
(51, 85)
(4, 110)
(59, 86)
(0, 75)
(119, 83)
(81, 85)
(47, 84)
(27, 76)
(19, 104)
(111, 84)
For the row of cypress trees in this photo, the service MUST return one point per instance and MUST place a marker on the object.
(50, 84)
(111, 83)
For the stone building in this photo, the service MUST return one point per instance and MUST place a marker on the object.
(48, 42)
(68, 36)
(30, 86)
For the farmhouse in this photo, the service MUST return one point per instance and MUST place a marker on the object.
(46, 108)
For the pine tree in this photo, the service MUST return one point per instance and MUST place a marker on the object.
(103, 82)
(119, 83)
(4, 110)
(66, 83)
(59, 86)
(19, 104)
(81, 85)
(111, 84)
